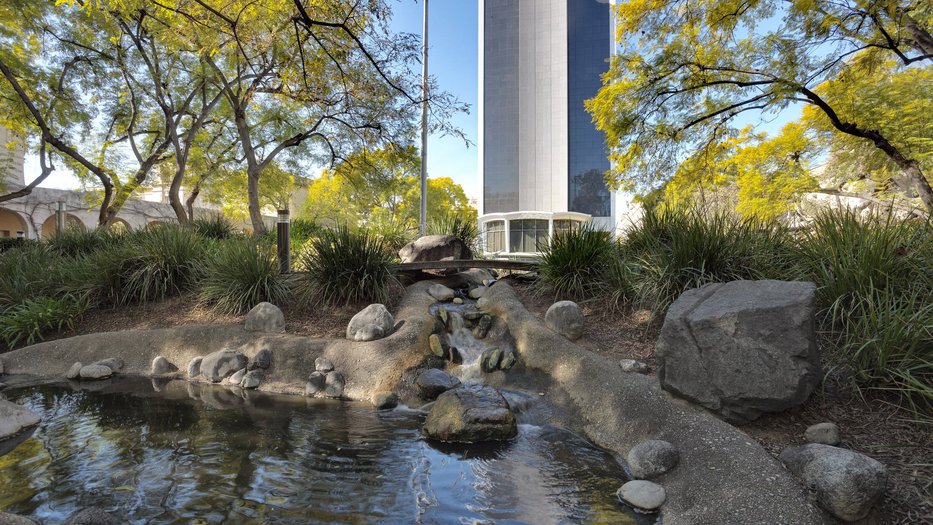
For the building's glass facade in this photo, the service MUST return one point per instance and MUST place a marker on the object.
(500, 121)
(588, 48)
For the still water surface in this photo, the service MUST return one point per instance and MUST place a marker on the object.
(191, 454)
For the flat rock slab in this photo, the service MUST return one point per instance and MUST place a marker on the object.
(471, 414)
(15, 419)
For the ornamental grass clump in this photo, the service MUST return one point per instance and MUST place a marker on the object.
(241, 273)
(343, 266)
(215, 227)
(457, 225)
(575, 262)
(27, 322)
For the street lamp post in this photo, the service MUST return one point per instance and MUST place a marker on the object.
(422, 223)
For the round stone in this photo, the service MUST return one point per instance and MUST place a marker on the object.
(825, 433)
(642, 494)
(565, 318)
(253, 378)
(323, 364)
(652, 458)
(261, 361)
(433, 382)
(75, 371)
(633, 366)
(95, 372)
(385, 401)
(334, 383)
(315, 383)
(161, 365)
(237, 377)
(194, 367)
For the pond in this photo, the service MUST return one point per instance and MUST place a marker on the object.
(183, 453)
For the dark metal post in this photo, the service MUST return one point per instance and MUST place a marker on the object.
(60, 218)
(283, 241)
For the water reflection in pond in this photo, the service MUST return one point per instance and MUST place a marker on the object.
(193, 454)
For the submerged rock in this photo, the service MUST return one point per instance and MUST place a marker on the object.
(194, 367)
(91, 516)
(15, 418)
(265, 317)
(433, 382)
(845, 483)
(470, 414)
(652, 458)
(565, 318)
(371, 323)
(642, 494)
(161, 365)
(219, 365)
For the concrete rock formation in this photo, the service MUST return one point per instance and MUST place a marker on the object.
(14, 419)
(221, 364)
(371, 323)
(435, 248)
(741, 348)
(652, 458)
(265, 317)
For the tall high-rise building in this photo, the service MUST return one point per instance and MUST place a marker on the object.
(541, 159)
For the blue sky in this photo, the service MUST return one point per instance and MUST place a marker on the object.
(451, 58)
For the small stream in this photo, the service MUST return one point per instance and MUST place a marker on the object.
(202, 454)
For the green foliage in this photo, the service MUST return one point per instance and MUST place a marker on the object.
(214, 227)
(345, 266)
(7, 243)
(32, 270)
(302, 230)
(462, 227)
(575, 263)
(73, 242)
(28, 321)
(241, 273)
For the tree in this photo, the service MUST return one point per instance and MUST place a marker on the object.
(691, 69)
(227, 188)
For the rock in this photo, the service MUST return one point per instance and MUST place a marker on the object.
(453, 355)
(472, 315)
(12, 519)
(642, 494)
(315, 385)
(470, 414)
(261, 361)
(371, 323)
(14, 419)
(438, 345)
(631, 365)
(323, 364)
(441, 292)
(444, 316)
(482, 327)
(91, 516)
(161, 365)
(652, 458)
(489, 361)
(844, 482)
(741, 348)
(458, 300)
(236, 378)
(253, 378)
(435, 248)
(113, 363)
(194, 367)
(433, 382)
(477, 292)
(334, 384)
(265, 317)
(508, 360)
(95, 372)
(385, 401)
(75, 371)
(565, 318)
(221, 364)
(825, 433)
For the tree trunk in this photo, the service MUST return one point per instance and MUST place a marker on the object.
(193, 196)
(910, 167)
(173, 199)
(252, 196)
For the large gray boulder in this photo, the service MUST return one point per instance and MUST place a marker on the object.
(433, 382)
(221, 364)
(470, 414)
(741, 348)
(265, 317)
(435, 248)
(565, 318)
(845, 483)
(372, 322)
(14, 419)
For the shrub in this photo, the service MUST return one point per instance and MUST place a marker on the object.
(213, 227)
(302, 230)
(73, 242)
(241, 273)
(575, 263)
(28, 321)
(455, 224)
(32, 270)
(346, 267)
(675, 250)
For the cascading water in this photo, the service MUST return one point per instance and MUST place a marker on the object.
(471, 349)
